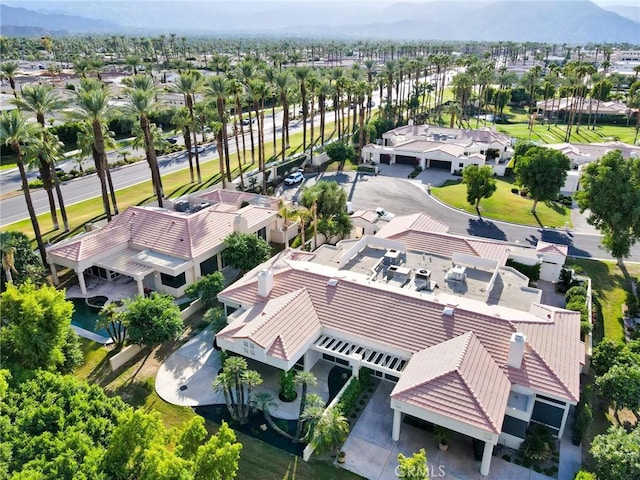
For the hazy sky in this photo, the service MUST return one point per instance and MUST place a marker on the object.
(599, 2)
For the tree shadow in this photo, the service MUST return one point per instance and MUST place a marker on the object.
(556, 207)
(482, 228)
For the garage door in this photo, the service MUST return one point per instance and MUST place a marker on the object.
(406, 160)
(385, 158)
(440, 165)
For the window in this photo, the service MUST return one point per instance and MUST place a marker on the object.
(262, 233)
(514, 426)
(174, 282)
(209, 266)
(461, 165)
(229, 310)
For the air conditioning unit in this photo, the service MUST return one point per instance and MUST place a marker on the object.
(392, 257)
(422, 279)
(181, 206)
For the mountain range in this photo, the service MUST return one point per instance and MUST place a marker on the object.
(576, 22)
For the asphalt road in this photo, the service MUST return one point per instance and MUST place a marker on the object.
(401, 197)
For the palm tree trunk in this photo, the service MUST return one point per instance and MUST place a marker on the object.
(99, 159)
(111, 189)
(152, 160)
(186, 135)
(275, 427)
(221, 158)
(195, 137)
(253, 147)
(45, 175)
(273, 123)
(31, 210)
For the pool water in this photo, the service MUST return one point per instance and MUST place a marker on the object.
(86, 318)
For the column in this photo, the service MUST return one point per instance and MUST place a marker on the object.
(486, 459)
(397, 422)
(54, 273)
(564, 419)
(83, 285)
(140, 286)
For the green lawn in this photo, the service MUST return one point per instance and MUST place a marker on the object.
(504, 205)
(553, 134)
(609, 285)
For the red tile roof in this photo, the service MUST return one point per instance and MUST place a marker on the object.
(411, 322)
(458, 379)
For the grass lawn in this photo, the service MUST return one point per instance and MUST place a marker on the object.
(609, 285)
(504, 205)
(555, 134)
(175, 185)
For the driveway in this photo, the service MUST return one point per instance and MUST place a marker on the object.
(395, 193)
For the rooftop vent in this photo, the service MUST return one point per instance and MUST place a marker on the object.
(392, 257)
(181, 206)
(332, 282)
(422, 279)
(449, 310)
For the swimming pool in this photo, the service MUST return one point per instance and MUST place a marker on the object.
(84, 321)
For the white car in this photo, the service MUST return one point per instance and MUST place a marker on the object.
(384, 215)
(294, 178)
(200, 149)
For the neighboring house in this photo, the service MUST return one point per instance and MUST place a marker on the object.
(467, 342)
(167, 249)
(590, 106)
(582, 154)
(451, 149)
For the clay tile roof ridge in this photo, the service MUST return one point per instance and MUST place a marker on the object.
(285, 302)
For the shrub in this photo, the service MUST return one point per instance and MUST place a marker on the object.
(575, 292)
(583, 420)
(531, 271)
(287, 387)
(515, 190)
(537, 445)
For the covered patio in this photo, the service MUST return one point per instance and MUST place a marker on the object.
(372, 453)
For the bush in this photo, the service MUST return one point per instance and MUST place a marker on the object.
(515, 190)
(537, 445)
(582, 423)
(531, 271)
(575, 292)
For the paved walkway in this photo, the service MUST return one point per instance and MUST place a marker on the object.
(371, 452)
(186, 376)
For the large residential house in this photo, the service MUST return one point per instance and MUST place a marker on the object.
(452, 149)
(167, 249)
(467, 342)
(588, 106)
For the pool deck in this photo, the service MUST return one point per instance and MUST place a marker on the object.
(118, 289)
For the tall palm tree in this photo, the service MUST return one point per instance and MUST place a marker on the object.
(270, 74)
(302, 75)
(92, 106)
(246, 71)
(188, 84)
(182, 121)
(258, 90)
(42, 100)
(8, 70)
(331, 431)
(236, 90)
(282, 81)
(218, 87)
(325, 90)
(140, 97)
(15, 131)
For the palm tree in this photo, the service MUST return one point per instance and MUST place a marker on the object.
(270, 74)
(325, 90)
(330, 431)
(8, 253)
(140, 96)
(218, 87)
(282, 82)
(257, 91)
(8, 70)
(246, 72)
(237, 383)
(42, 99)
(15, 131)
(302, 75)
(264, 401)
(92, 106)
(236, 90)
(188, 84)
(182, 121)
(305, 379)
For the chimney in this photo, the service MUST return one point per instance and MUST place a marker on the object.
(240, 224)
(516, 350)
(265, 283)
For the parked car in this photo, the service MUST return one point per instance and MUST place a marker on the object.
(294, 178)
(59, 172)
(172, 140)
(246, 121)
(384, 215)
(200, 149)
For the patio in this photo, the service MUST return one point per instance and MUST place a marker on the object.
(371, 452)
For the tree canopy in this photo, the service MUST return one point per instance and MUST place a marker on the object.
(543, 172)
(611, 193)
(414, 467)
(62, 428)
(621, 385)
(340, 152)
(152, 320)
(616, 454)
(245, 250)
(480, 183)
(35, 331)
(207, 289)
(20, 259)
(330, 202)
